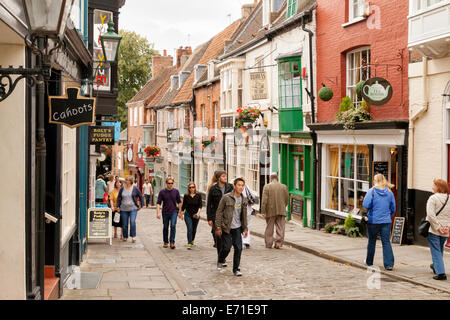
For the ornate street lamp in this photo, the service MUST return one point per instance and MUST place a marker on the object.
(46, 19)
(110, 43)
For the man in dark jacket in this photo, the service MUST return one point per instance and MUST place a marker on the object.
(231, 224)
(214, 195)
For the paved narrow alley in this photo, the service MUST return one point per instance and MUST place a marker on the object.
(146, 270)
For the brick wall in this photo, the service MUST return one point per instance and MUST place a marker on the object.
(201, 98)
(386, 43)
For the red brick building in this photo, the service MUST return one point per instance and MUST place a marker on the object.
(358, 40)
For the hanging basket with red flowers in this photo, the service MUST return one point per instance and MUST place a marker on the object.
(206, 141)
(152, 151)
(247, 115)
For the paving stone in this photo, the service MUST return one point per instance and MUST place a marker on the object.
(132, 292)
(114, 284)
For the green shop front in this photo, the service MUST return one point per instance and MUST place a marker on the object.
(292, 146)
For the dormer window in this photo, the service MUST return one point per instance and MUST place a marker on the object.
(183, 75)
(173, 82)
(198, 71)
(211, 70)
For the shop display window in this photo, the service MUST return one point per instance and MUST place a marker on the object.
(347, 178)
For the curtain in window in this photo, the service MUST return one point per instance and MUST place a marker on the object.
(334, 171)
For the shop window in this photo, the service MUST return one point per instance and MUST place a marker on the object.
(290, 89)
(358, 69)
(347, 178)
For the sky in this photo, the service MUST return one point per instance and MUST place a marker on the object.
(169, 24)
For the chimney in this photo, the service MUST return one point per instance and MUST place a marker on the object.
(160, 62)
(183, 55)
(248, 8)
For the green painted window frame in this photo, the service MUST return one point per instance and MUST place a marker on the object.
(283, 97)
(292, 8)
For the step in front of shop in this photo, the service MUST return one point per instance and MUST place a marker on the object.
(51, 284)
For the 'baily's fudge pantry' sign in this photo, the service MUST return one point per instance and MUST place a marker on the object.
(72, 110)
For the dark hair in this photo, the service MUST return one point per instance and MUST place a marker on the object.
(237, 180)
(118, 181)
(219, 173)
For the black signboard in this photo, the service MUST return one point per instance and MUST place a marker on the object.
(397, 230)
(381, 167)
(377, 91)
(99, 223)
(296, 205)
(71, 110)
(101, 135)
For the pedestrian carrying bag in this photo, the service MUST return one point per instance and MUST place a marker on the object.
(364, 211)
(424, 225)
(117, 217)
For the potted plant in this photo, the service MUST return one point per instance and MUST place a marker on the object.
(247, 115)
(152, 151)
(349, 114)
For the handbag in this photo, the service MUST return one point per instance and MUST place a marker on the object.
(364, 211)
(117, 217)
(424, 225)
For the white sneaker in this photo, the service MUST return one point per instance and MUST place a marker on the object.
(219, 266)
(238, 273)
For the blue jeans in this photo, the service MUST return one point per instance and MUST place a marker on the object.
(437, 252)
(191, 224)
(125, 215)
(373, 230)
(234, 238)
(172, 218)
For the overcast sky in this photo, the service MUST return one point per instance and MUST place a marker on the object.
(170, 24)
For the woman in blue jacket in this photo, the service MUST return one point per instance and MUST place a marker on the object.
(380, 202)
(129, 206)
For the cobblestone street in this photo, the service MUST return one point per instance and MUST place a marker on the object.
(145, 270)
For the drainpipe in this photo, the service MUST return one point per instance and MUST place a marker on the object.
(194, 116)
(313, 116)
(413, 117)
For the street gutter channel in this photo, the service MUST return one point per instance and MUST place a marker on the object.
(338, 259)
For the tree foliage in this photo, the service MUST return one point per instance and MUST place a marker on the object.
(135, 62)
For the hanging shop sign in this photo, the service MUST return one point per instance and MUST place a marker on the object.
(377, 91)
(100, 224)
(258, 85)
(71, 110)
(117, 125)
(101, 135)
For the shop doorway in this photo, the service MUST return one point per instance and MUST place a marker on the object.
(393, 178)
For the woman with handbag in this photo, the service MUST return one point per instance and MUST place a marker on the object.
(438, 216)
(380, 202)
(127, 202)
(117, 221)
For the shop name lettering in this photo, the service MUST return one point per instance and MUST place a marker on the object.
(100, 135)
(71, 112)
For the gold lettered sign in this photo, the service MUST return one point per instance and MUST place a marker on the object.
(101, 135)
(99, 223)
(71, 110)
(258, 85)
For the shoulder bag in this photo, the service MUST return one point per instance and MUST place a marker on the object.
(424, 225)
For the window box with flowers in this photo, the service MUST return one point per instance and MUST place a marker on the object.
(247, 116)
(349, 114)
(152, 151)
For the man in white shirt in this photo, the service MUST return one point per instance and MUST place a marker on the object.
(148, 193)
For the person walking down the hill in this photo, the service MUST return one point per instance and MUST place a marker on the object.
(275, 198)
(192, 204)
(438, 214)
(250, 195)
(127, 202)
(100, 189)
(231, 224)
(115, 209)
(170, 200)
(148, 193)
(216, 192)
(380, 202)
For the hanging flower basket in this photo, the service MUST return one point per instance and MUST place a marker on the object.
(247, 115)
(152, 151)
(206, 141)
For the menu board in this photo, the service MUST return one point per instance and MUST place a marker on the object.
(381, 167)
(296, 205)
(397, 230)
(99, 223)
